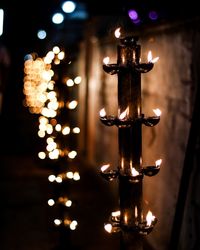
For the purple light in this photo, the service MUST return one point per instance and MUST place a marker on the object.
(153, 15)
(133, 14)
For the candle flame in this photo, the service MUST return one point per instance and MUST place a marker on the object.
(105, 167)
(134, 172)
(102, 112)
(154, 60)
(125, 218)
(157, 112)
(124, 114)
(151, 59)
(117, 33)
(116, 213)
(158, 162)
(136, 212)
(106, 60)
(149, 218)
(108, 228)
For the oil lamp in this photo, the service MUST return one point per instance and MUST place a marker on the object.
(129, 220)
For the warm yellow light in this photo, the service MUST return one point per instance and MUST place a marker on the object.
(134, 172)
(157, 112)
(105, 167)
(117, 33)
(151, 59)
(106, 60)
(68, 203)
(59, 179)
(158, 162)
(52, 178)
(73, 225)
(108, 227)
(102, 112)
(69, 175)
(66, 130)
(76, 176)
(116, 213)
(58, 127)
(51, 202)
(70, 83)
(57, 222)
(76, 130)
(72, 154)
(149, 218)
(56, 49)
(61, 55)
(124, 114)
(42, 155)
(72, 104)
(77, 80)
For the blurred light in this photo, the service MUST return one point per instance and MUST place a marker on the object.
(42, 155)
(72, 154)
(57, 18)
(153, 15)
(68, 6)
(73, 225)
(57, 222)
(56, 49)
(70, 83)
(133, 14)
(41, 34)
(51, 202)
(77, 79)
(1, 21)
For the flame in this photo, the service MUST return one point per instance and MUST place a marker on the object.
(108, 228)
(136, 212)
(117, 33)
(116, 213)
(134, 172)
(149, 218)
(102, 112)
(106, 60)
(105, 167)
(158, 162)
(124, 114)
(151, 59)
(157, 112)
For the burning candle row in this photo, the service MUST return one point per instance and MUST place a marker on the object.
(144, 227)
(123, 119)
(134, 175)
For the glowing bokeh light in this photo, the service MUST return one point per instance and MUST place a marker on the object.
(133, 14)
(68, 6)
(41, 34)
(153, 15)
(57, 18)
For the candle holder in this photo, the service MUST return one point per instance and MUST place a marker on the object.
(129, 220)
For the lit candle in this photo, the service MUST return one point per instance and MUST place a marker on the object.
(105, 167)
(102, 113)
(158, 162)
(157, 112)
(106, 60)
(117, 33)
(124, 114)
(151, 59)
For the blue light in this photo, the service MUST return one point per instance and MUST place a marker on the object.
(153, 15)
(41, 34)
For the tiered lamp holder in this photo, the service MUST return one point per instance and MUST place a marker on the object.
(129, 220)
